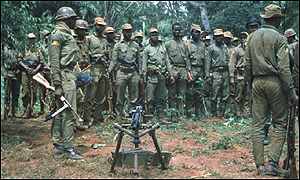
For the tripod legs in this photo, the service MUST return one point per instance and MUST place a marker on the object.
(120, 137)
(152, 134)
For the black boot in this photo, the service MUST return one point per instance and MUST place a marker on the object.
(73, 154)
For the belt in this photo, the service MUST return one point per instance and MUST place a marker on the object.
(197, 65)
(219, 68)
(126, 69)
(179, 65)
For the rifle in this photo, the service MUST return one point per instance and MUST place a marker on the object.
(40, 79)
(289, 163)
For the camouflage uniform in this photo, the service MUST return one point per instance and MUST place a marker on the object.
(155, 67)
(11, 81)
(199, 68)
(219, 59)
(178, 55)
(63, 56)
(97, 91)
(125, 59)
(267, 62)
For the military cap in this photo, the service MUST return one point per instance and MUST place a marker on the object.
(196, 27)
(289, 32)
(153, 29)
(270, 11)
(31, 36)
(126, 26)
(244, 33)
(218, 32)
(139, 34)
(81, 24)
(228, 34)
(109, 29)
(100, 21)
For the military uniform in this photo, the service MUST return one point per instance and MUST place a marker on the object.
(63, 56)
(32, 58)
(11, 81)
(97, 91)
(236, 71)
(178, 55)
(199, 68)
(125, 59)
(155, 68)
(219, 58)
(268, 64)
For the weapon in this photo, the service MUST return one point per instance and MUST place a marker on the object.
(110, 100)
(40, 79)
(136, 126)
(289, 163)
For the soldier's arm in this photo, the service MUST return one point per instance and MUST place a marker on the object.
(144, 61)
(54, 59)
(187, 59)
(232, 62)
(206, 62)
(115, 55)
(284, 65)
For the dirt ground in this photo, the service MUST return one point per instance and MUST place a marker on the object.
(207, 148)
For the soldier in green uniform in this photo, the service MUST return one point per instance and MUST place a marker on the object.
(267, 63)
(290, 34)
(11, 81)
(235, 42)
(31, 63)
(207, 41)
(236, 74)
(81, 28)
(155, 68)
(219, 58)
(181, 67)
(63, 56)
(125, 60)
(97, 91)
(199, 64)
(111, 40)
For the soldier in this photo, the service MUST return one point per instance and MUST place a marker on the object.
(97, 91)
(199, 64)
(11, 81)
(112, 98)
(219, 57)
(235, 42)
(156, 67)
(253, 24)
(207, 41)
(178, 55)
(31, 63)
(63, 56)
(125, 59)
(117, 37)
(236, 74)
(82, 67)
(268, 65)
(290, 34)
(296, 68)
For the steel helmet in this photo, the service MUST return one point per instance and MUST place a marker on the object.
(65, 13)
(81, 24)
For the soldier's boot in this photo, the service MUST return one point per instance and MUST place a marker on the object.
(28, 112)
(272, 169)
(58, 151)
(73, 154)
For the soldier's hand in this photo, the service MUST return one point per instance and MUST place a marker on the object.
(294, 99)
(231, 80)
(58, 91)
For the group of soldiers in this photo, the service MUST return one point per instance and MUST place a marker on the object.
(205, 75)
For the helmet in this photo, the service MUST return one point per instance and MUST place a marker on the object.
(289, 32)
(83, 79)
(253, 21)
(81, 24)
(109, 30)
(139, 34)
(153, 29)
(65, 13)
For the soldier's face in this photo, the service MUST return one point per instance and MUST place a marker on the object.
(177, 31)
(80, 32)
(71, 22)
(253, 28)
(219, 39)
(110, 36)
(31, 41)
(99, 28)
(195, 35)
(207, 42)
(139, 40)
(154, 37)
(127, 33)
(227, 40)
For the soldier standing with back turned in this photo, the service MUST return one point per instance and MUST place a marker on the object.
(267, 58)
